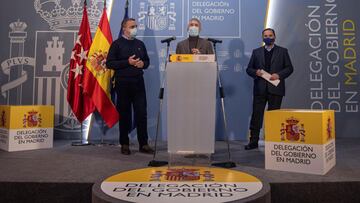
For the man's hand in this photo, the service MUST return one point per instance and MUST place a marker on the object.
(274, 76)
(139, 64)
(259, 73)
(132, 60)
(195, 51)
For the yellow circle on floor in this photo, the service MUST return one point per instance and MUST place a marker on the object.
(181, 184)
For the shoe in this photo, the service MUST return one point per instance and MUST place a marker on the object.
(146, 149)
(252, 145)
(125, 150)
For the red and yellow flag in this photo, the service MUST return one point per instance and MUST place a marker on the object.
(97, 80)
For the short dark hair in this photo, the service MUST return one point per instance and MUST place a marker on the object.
(270, 29)
(123, 23)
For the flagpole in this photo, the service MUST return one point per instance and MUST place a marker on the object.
(102, 143)
(81, 142)
(103, 132)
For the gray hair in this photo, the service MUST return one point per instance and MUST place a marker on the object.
(197, 20)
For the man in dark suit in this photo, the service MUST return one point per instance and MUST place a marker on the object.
(276, 61)
(194, 44)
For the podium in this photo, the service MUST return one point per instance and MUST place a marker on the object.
(26, 127)
(191, 104)
(300, 140)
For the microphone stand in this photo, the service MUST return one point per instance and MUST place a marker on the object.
(154, 162)
(229, 163)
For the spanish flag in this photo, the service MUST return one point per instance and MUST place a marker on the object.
(97, 80)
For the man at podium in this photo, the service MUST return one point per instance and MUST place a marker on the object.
(194, 44)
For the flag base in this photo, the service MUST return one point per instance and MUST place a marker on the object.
(101, 144)
(154, 163)
(228, 164)
(80, 143)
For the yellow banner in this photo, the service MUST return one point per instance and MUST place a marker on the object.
(217, 174)
(300, 126)
(20, 117)
(181, 58)
(188, 58)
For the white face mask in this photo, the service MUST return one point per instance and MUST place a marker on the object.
(133, 33)
(194, 31)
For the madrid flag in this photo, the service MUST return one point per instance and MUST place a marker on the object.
(97, 78)
(81, 104)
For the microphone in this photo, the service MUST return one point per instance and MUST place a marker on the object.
(168, 40)
(214, 40)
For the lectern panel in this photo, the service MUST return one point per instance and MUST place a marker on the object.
(191, 100)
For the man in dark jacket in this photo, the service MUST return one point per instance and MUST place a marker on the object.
(276, 61)
(128, 57)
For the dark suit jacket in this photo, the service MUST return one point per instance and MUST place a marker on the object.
(203, 45)
(280, 64)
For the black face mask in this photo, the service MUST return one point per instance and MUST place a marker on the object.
(268, 41)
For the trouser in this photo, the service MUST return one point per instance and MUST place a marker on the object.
(257, 117)
(131, 94)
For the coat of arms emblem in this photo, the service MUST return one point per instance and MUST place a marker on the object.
(32, 119)
(157, 15)
(292, 130)
(182, 174)
(98, 62)
(329, 129)
(3, 119)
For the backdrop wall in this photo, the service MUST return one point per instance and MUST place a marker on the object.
(37, 38)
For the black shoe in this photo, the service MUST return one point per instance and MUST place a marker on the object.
(146, 149)
(125, 150)
(252, 145)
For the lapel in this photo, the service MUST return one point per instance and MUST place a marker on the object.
(187, 46)
(262, 56)
(275, 54)
(198, 44)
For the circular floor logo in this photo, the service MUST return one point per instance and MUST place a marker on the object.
(181, 184)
